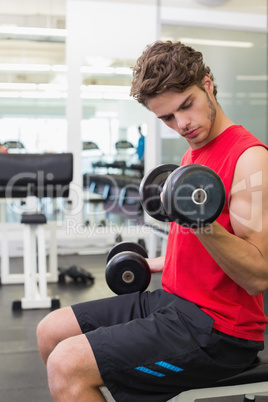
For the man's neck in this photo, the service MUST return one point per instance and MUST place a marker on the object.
(222, 122)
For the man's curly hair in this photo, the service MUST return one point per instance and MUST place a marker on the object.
(167, 66)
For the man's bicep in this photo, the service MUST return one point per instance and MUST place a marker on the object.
(249, 194)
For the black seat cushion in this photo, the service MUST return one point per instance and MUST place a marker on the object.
(33, 218)
(42, 175)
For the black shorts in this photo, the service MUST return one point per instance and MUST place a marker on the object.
(152, 346)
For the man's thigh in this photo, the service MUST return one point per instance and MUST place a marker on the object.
(118, 309)
(148, 358)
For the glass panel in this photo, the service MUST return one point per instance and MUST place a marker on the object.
(107, 121)
(35, 134)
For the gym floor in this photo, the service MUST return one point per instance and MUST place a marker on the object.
(22, 373)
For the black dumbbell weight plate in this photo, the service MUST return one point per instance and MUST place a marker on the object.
(127, 272)
(150, 189)
(127, 246)
(193, 196)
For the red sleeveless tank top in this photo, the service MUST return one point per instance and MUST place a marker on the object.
(190, 272)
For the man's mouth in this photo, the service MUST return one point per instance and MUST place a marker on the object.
(190, 133)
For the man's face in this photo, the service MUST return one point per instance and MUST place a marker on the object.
(191, 113)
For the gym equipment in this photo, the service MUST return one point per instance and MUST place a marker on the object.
(75, 273)
(193, 195)
(127, 270)
(150, 189)
(34, 176)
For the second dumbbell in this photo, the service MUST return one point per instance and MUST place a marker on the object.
(192, 195)
(127, 270)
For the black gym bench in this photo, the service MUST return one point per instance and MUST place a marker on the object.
(33, 177)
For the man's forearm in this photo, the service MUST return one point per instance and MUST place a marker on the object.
(241, 260)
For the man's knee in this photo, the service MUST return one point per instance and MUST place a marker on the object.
(58, 371)
(54, 328)
(45, 336)
(71, 369)
(44, 326)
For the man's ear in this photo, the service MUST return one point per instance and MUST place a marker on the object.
(208, 84)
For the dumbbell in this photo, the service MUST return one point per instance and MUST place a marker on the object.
(192, 195)
(127, 270)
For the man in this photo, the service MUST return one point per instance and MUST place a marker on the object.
(208, 321)
(141, 145)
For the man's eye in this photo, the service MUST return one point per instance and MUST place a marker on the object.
(187, 106)
(167, 118)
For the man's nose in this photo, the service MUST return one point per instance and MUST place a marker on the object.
(183, 122)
